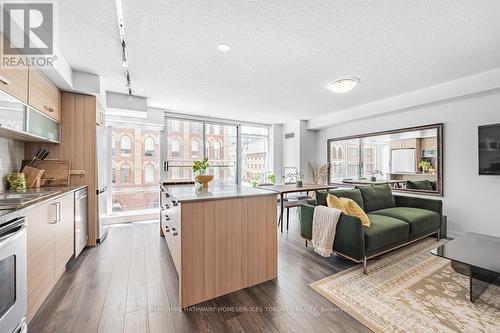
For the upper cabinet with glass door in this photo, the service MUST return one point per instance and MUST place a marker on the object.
(12, 113)
(21, 87)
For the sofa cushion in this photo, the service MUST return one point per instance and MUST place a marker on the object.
(419, 185)
(353, 194)
(348, 207)
(377, 197)
(421, 221)
(383, 232)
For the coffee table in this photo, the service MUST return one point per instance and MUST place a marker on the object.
(474, 255)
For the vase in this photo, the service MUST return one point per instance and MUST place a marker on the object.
(204, 180)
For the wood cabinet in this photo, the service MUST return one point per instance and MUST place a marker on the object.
(44, 95)
(64, 234)
(50, 228)
(40, 229)
(78, 145)
(171, 226)
(14, 81)
(221, 245)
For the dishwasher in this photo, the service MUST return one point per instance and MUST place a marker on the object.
(81, 234)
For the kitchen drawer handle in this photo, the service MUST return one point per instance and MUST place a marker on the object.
(4, 80)
(48, 108)
(56, 219)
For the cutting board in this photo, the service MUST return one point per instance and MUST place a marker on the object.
(56, 170)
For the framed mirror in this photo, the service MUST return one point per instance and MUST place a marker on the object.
(408, 159)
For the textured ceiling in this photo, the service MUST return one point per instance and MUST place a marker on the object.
(282, 52)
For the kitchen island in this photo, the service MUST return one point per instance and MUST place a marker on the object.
(221, 239)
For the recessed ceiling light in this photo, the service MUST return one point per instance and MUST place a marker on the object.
(223, 47)
(342, 85)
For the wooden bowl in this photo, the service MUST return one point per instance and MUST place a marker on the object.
(204, 179)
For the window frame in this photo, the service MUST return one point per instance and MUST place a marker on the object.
(206, 132)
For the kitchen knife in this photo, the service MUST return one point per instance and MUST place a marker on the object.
(32, 162)
(43, 154)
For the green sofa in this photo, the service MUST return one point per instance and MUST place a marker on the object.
(395, 220)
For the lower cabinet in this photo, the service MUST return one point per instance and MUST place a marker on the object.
(171, 226)
(50, 228)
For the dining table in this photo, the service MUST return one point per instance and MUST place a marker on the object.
(283, 189)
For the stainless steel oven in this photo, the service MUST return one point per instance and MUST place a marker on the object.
(13, 274)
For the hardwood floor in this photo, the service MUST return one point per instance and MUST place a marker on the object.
(129, 284)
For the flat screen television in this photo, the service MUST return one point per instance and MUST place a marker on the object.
(489, 150)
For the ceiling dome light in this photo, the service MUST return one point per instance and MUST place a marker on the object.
(342, 85)
(223, 47)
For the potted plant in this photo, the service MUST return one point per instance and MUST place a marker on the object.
(376, 173)
(200, 169)
(298, 176)
(425, 165)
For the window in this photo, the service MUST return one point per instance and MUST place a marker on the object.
(195, 149)
(149, 173)
(113, 145)
(132, 187)
(125, 174)
(126, 145)
(254, 153)
(174, 126)
(219, 143)
(149, 146)
(176, 148)
(334, 153)
(195, 127)
(217, 150)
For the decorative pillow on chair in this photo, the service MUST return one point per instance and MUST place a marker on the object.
(348, 207)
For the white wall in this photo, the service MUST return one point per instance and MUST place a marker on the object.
(300, 149)
(307, 150)
(470, 201)
(276, 150)
(291, 147)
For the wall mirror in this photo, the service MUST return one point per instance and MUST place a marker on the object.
(409, 159)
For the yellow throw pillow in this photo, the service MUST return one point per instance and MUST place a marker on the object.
(334, 202)
(348, 207)
(353, 209)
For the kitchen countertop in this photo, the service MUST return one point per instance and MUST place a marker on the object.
(51, 193)
(190, 193)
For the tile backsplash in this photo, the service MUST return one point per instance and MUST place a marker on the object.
(11, 158)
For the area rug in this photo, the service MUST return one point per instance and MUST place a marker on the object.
(410, 290)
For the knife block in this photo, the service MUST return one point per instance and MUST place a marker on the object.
(33, 176)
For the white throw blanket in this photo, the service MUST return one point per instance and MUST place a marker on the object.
(325, 221)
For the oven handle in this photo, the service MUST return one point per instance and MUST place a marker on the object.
(9, 238)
